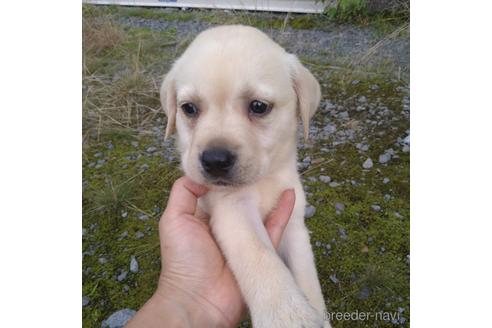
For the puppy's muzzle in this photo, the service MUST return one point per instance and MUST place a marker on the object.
(218, 162)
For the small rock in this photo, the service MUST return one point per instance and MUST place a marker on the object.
(133, 265)
(123, 235)
(333, 278)
(362, 99)
(317, 243)
(85, 301)
(118, 319)
(91, 165)
(407, 140)
(328, 246)
(309, 211)
(343, 233)
(98, 154)
(376, 208)
(324, 178)
(122, 276)
(110, 146)
(364, 293)
(142, 216)
(151, 149)
(102, 260)
(384, 158)
(134, 144)
(139, 234)
(405, 149)
(124, 214)
(84, 232)
(398, 215)
(339, 207)
(343, 115)
(387, 197)
(307, 159)
(330, 128)
(144, 167)
(333, 184)
(386, 180)
(367, 164)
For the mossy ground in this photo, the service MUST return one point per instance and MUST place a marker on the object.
(362, 254)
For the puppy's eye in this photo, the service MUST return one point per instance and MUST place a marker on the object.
(259, 108)
(189, 109)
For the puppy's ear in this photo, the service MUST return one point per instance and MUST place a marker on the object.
(168, 102)
(307, 89)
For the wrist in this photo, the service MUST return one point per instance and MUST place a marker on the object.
(187, 309)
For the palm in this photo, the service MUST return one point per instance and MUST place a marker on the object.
(191, 254)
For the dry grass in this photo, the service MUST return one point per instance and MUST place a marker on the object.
(122, 96)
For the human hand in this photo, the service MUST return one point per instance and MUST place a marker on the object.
(196, 287)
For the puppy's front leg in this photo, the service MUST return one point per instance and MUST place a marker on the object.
(273, 297)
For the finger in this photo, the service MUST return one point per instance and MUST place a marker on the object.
(277, 220)
(184, 196)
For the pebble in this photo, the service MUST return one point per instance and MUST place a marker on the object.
(398, 215)
(151, 149)
(123, 235)
(98, 154)
(384, 158)
(85, 301)
(133, 265)
(309, 211)
(124, 214)
(334, 278)
(405, 149)
(364, 293)
(122, 276)
(343, 233)
(376, 208)
(340, 207)
(343, 115)
(110, 146)
(144, 167)
(367, 164)
(134, 144)
(84, 231)
(317, 244)
(142, 216)
(102, 260)
(362, 99)
(118, 319)
(324, 178)
(386, 180)
(334, 184)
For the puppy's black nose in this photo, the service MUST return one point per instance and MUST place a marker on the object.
(217, 161)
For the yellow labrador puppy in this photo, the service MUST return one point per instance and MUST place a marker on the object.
(234, 97)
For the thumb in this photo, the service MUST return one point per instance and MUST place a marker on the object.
(277, 220)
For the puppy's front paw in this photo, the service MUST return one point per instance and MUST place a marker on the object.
(288, 312)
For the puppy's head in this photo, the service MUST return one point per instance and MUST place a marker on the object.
(234, 97)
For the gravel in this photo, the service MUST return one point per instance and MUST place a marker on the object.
(324, 178)
(376, 208)
(340, 207)
(350, 43)
(122, 276)
(85, 301)
(384, 158)
(139, 234)
(334, 278)
(367, 164)
(386, 180)
(133, 265)
(118, 319)
(309, 211)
